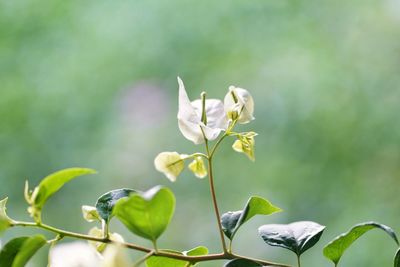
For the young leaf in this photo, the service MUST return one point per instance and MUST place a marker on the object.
(335, 249)
(107, 201)
(147, 214)
(231, 221)
(197, 251)
(5, 221)
(297, 236)
(52, 183)
(157, 261)
(397, 259)
(242, 263)
(18, 251)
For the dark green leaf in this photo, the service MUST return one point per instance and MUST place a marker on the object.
(106, 202)
(52, 183)
(297, 236)
(147, 214)
(335, 249)
(18, 251)
(397, 259)
(232, 220)
(157, 261)
(242, 263)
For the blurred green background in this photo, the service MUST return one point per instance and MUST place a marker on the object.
(93, 84)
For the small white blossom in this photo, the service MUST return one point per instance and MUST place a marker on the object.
(115, 256)
(239, 104)
(90, 213)
(190, 117)
(170, 163)
(74, 254)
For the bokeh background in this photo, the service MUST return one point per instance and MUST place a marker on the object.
(93, 84)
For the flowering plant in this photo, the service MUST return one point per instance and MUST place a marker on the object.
(148, 213)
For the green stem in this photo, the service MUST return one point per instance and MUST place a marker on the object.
(155, 245)
(192, 259)
(214, 200)
(143, 259)
(298, 261)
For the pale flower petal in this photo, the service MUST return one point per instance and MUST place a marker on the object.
(99, 246)
(198, 167)
(238, 101)
(190, 113)
(74, 254)
(90, 213)
(115, 256)
(169, 163)
(188, 119)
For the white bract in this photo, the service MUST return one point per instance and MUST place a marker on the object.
(239, 104)
(170, 163)
(90, 213)
(99, 233)
(74, 254)
(114, 256)
(190, 117)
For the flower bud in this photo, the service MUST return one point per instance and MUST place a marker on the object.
(198, 167)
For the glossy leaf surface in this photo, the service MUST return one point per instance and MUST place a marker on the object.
(18, 251)
(107, 201)
(231, 221)
(397, 259)
(335, 249)
(297, 236)
(147, 214)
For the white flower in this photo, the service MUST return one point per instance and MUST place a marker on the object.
(90, 213)
(74, 254)
(170, 163)
(190, 117)
(239, 103)
(114, 256)
(100, 246)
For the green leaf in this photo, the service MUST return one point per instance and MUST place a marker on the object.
(147, 214)
(157, 261)
(5, 221)
(243, 263)
(53, 182)
(397, 259)
(335, 249)
(18, 251)
(197, 251)
(232, 220)
(106, 202)
(297, 236)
